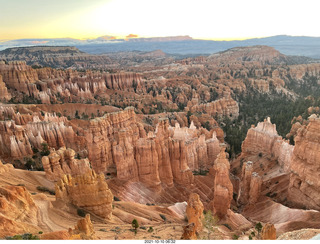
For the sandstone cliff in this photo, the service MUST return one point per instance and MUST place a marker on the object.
(89, 191)
(250, 185)
(263, 140)
(4, 94)
(62, 162)
(304, 178)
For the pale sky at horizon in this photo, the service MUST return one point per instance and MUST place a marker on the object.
(200, 19)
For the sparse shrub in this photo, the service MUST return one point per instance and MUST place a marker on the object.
(30, 164)
(208, 222)
(258, 227)
(40, 232)
(26, 236)
(235, 237)
(250, 237)
(45, 189)
(135, 225)
(81, 212)
(253, 233)
(228, 226)
(260, 154)
(150, 229)
(163, 217)
(116, 199)
(143, 227)
(45, 150)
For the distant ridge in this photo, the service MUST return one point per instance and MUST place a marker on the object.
(182, 45)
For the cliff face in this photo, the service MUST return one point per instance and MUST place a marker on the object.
(4, 94)
(62, 162)
(17, 141)
(250, 185)
(304, 178)
(89, 191)
(165, 156)
(264, 140)
(49, 85)
(222, 107)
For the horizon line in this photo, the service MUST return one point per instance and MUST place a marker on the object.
(114, 38)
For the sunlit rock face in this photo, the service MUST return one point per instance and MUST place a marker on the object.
(89, 191)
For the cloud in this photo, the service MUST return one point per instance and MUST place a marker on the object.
(131, 36)
(39, 42)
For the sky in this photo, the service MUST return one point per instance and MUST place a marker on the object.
(200, 19)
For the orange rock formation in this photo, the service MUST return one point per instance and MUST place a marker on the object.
(195, 211)
(268, 232)
(62, 162)
(304, 178)
(89, 191)
(223, 188)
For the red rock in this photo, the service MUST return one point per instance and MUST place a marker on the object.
(268, 232)
(304, 179)
(195, 211)
(62, 162)
(89, 191)
(223, 188)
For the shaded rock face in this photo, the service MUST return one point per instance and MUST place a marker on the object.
(304, 179)
(19, 135)
(195, 211)
(16, 209)
(89, 191)
(250, 185)
(4, 94)
(268, 232)
(223, 188)
(49, 85)
(189, 232)
(223, 107)
(264, 140)
(61, 162)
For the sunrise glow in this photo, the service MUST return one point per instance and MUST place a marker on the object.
(201, 19)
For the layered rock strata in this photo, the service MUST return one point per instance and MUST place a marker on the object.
(264, 140)
(223, 188)
(89, 191)
(305, 166)
(61, 162)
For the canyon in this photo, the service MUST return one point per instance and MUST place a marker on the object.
(143, 136)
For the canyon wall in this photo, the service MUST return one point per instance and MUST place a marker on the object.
(263, 140)
(305, 166)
